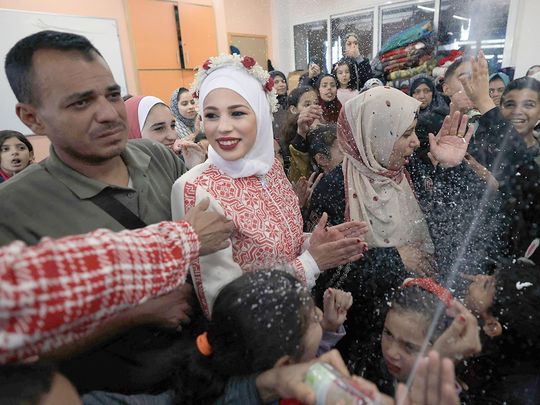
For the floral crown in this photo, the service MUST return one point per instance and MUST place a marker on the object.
(243, 62)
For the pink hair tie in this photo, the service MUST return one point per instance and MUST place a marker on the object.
(433, 287)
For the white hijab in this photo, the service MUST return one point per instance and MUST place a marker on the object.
(368, 128)
(258, 161)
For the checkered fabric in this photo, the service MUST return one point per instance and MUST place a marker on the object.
(61, 290)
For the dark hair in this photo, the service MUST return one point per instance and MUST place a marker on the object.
(25, 383)
(351, 64)
(321, 139)
(321, 77)
(181, 91)
(531, 68)
(256, 319)
(296, 94)
(201, 136)
(517, 309)
(18, 64)
(275, 73)
(419, 81)
(453, 67)
(521, 84)
(418, 300)
(8, 134)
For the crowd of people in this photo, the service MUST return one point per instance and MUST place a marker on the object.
(213, 249)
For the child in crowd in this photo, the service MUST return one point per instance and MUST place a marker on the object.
(413, 309)
(328, 195)
(345, 73)
(507, 304)
(520, 104)
(184, 109)
(261, 320)
(327, 88)
(16, 154)
(245, 183)
(280, 116)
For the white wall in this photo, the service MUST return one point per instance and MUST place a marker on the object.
(523, 30)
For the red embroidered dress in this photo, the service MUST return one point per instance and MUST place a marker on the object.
(268, 226)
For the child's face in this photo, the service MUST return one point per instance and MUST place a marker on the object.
(402, 338)
(480, 295)
(343, 75)
(14, 156)
(230, 124)
(522, 108)
(312, 337)
(306, 100)
(328, 89)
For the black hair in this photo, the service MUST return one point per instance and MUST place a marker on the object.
(418, 300)
(275, 73)
(181, 91)
(516, 306)
(18, 64)
(25, 383)
(296, 94)
(256, 319)
(521, 84)
(201, 136)
(8, 134)
(350, 63)
(531, 68)
(321, 139)
(321, 77)
(419, 81)
(453, 67)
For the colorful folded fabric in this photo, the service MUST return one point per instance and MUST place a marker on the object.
(403, 51)
(411, 62)
(426, 67)
(413, 34)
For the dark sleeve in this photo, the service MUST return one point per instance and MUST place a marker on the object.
(329, 197)
(300, 143)
(364, 72)
(240, 390)
(305, 80)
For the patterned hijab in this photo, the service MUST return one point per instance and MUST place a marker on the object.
(184, 126)
(368, 128)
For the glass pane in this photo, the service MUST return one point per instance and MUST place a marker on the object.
(475, 23)
(310, 44)
(361, 24)
(397, 19)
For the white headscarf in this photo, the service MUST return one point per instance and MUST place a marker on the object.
(368, 128)
(259, 159)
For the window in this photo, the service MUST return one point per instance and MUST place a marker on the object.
(395, 19)
(475, 23)
(361, 24)
(310, 44)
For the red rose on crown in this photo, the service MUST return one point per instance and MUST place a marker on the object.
(248, 62)
(206, 65)
(195, 94)
(269, 84)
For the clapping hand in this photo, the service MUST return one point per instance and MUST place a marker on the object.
(450, 145)
(304, 188)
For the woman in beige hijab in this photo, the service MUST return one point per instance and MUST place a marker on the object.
(376, 134)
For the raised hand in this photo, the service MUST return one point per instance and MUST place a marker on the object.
(313, 70)
(308, 118)
(192, 152)
(212, 229)
(304, 188)
(450, 145)
(336, 304)
(477, 84)
(461, 339)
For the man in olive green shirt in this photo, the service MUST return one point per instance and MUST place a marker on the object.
(66, 91)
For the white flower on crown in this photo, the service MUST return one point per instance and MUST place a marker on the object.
(243, 62)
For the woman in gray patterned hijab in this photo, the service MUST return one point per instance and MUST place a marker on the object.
(183, 108)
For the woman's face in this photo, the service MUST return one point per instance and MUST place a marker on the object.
(351, 47)
(423, 94)
(14, 156)
(496, 90)
(404, 147)
(230, 124)
(186, 106)
(160, 126)
(343, 75)
(522, 108)
(280, 85)
(306, 100)
(402, 338)
(328, 89)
